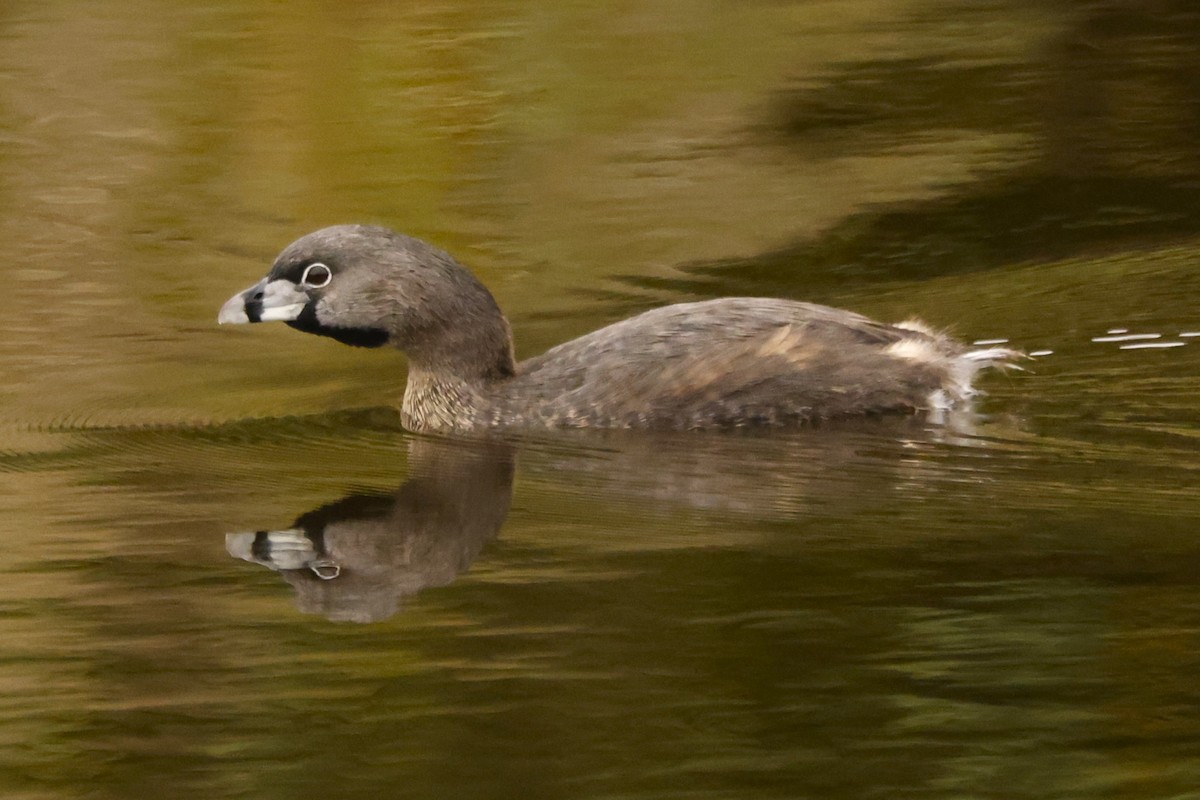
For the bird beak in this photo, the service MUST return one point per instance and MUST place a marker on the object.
(282, 551)
(266, 301)
(289, 549)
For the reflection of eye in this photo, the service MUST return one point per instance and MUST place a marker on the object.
(316, 275)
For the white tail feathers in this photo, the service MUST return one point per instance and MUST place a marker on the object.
(965, 367)
(1001, 357)
(939, 351)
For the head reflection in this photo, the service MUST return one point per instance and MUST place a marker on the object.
(356, 559)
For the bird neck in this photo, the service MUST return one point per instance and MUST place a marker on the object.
(436, 401)
(458, 335)
(476, 351)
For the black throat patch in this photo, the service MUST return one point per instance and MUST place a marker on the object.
(355, 337)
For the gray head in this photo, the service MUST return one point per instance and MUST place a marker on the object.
(369, 286)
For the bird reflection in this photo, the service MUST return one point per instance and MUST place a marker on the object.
(356, 559)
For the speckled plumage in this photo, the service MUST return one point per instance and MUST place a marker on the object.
(716, 364)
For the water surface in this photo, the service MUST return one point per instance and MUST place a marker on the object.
(230, 573)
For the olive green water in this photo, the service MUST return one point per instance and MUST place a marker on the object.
(1008, 606)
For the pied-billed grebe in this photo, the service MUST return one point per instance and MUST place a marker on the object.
(715, 364)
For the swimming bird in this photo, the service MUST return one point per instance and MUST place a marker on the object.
(725, 363)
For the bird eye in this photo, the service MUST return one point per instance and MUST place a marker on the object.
(316, 275)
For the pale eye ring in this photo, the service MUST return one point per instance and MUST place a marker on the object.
(316, 275)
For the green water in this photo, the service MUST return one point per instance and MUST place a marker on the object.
(1006, 607)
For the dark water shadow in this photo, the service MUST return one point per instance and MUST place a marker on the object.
(1098, 148)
